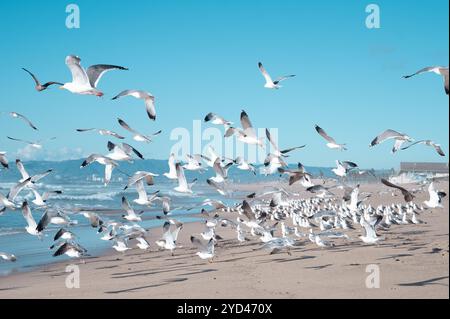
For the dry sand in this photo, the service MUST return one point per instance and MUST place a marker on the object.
(413, 263)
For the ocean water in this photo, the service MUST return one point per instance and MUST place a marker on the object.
(83, 188)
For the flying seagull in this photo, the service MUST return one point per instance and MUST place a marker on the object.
(216, 119)
(41, 87)
(122, 152)
(108, 162)
(7, 257)
(70, 249)
(443, 71)
(343, 167)
(32, 226)
(102, 132)
(4, 160)
(23, 118)
(142, 95)
(435, 197)
(206, 249)
(247, 134)
(137, 136)
(437, 147)
(399, 138)
(406, 194)
(270, 84)
(277, 151)
(331, 141)
(85, 81)
(131, 214)
(172, 174)
(183, 186)
(36, 145)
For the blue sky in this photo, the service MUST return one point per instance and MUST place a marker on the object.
(201, 56)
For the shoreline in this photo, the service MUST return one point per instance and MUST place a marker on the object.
(413, 262)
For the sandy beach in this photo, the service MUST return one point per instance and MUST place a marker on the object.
(413, 262)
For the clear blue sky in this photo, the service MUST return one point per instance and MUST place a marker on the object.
(201, 56)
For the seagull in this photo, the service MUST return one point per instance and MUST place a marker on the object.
(406, 194)
(25, 175)
(64, 234)
(122, 152)
(443, 71)
(435, 197)
(14, 191)
(142, 243)
(8, 257)
(41, 200)
(103, 160)
(172, 174)
(194, 163)
(131, 214)
(399, 138)
(120, 245)
(85, 81)
(295, 175)
(94, 219)
(102, 132)
(270, 84)
(32, 226)
(212, 156)
(221, 171)
(169, 238)
(244, 165)
(370, 236)
(272, 163)
(248, 134)
(137, 136)
(277, 151)
(53, 217)
(343, 167)
(147, 97)
(23, 118)
(4, 160)
(320, 190)
(437, 147)
(216, 119)
(72, 250)
(183, 186)
(41, 87)
(138, 179)
(206, 250)
(331, 141)
(219, 187)
(36, 145)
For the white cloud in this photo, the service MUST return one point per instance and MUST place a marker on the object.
(29, 153)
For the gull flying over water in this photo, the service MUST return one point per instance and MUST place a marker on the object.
(122, 152)
(206, 249)
(277, 151)
(343, 167)
(23, 118)
(331, 141)
(102, 132)
(443, 71)
(142, 95)
(85, 81)
(183, 186)
(136, 135)
(437, 147)
(399, 138)
(103, 160)
(41, 87)
(172, 174)
(271, 84)
(70, 249)
(131, 214)
(32, 226)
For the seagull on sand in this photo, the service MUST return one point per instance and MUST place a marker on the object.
(183, 186)
(271, 84)
(435, 197)
(102, 132)
(4, 160)
(37, 145)
(216, 119)
(103, 160)
(206, 250)
(172, 174)
(41, 87)
(437, 147)
(370, 236)
(120, 244)
(331, 141)
(399, 138)
(142, 243)
(406, 194)
(23, 118)
(136, 135)
(85, 81)
(142, 95)
(7, 257)
(443, 71)
(247, 134)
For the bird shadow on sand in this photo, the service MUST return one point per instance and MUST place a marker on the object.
(431, 281)
(319, 267)
(146, 287)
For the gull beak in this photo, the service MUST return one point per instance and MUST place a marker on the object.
(61, 87)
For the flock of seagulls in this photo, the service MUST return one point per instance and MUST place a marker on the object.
(278, 218)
